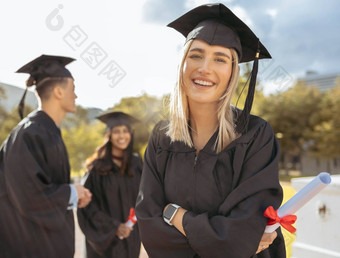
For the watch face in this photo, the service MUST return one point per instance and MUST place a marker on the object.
(169, 211)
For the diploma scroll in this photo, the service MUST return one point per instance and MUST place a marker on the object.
(131, 220)
(301, 198)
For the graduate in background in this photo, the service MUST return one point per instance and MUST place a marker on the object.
(36, 197)
(114, 174)
(211, 171)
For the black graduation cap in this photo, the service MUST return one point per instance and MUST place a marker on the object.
(42, 67)
(218, 25)
(116, 118)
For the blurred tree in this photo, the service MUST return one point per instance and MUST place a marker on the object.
(293, 114)
(81, 142)
(77, 118)
(81, 137)
(10, 120)
(2, 93)
(3, 112)
(326, 134)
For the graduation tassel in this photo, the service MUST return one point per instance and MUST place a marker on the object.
(243, 119)
(29, 82)
(21, 105)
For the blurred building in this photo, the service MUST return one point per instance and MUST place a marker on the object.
(322, 81)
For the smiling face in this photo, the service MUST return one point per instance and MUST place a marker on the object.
(206, 72)
(120, 137)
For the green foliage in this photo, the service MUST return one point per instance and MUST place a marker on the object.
(326, 133)
(2, 93)
(3, 113)
(81, 142)
(81, 138)
(293, 115)
(77, 118)
(10, 120)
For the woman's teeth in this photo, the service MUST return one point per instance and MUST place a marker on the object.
(203, 83)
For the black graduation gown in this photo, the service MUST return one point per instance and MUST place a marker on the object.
(35, 191)
(112, 197)
(225, 195)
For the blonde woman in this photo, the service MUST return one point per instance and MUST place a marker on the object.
(211, 171)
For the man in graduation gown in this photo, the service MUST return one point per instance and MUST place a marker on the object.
(36, 197)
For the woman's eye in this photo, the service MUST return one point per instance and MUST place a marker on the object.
(195, 57)
(220, 60)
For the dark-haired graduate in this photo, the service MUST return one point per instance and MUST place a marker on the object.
(113, 177)
(36, 197)
(211, 170)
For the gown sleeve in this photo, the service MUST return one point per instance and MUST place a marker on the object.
(28, 179)
(239, 225)
(98, 227)
(158, 238)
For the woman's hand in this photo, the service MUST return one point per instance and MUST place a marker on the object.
(266, 240)
(123, 231)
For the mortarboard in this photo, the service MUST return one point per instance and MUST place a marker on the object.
(217, 25)
(116, 118)
(42, 67)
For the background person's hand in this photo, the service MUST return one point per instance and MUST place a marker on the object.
(123, 231)
(83, 202)
(266, 240)
(84, 196)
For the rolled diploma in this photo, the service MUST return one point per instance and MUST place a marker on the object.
(301, 198)
(130, 223)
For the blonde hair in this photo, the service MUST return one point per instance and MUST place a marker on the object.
(178, 128)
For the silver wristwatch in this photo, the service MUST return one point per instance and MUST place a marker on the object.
(170, 212)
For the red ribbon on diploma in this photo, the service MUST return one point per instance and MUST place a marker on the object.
(132, 216)
(285, 221)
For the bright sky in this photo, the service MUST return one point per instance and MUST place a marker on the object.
(136, 53)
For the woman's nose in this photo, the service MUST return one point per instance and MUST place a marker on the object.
(205, 67)
(121, 134)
